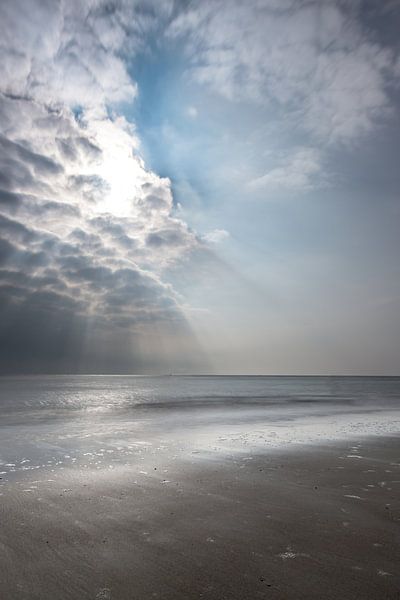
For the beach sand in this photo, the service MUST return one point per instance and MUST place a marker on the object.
(312, 522)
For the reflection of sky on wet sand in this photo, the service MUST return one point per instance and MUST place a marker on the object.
(98, 423)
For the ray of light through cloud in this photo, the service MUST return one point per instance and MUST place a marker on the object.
(199, 187)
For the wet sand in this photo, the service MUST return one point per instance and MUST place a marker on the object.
(313, 522)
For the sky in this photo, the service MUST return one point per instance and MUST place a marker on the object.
(200, 187)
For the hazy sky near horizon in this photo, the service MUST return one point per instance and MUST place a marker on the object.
(206, 186)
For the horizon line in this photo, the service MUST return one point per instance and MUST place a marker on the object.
(127, 374)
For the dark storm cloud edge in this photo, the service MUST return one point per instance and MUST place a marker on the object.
(80, 287)
(53, 284)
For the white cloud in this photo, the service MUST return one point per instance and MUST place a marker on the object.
(300, 171)
(63, 62)
(216, 236)
(313, 61)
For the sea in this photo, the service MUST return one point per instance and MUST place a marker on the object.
(60, 422)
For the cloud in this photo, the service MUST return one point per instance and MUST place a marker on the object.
(216, 236)
(66, 61)
(313, 63)
(301, 170)
(86, 231)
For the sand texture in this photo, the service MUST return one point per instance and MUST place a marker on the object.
(317, 522)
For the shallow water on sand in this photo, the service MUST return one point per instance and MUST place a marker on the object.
(97, 422)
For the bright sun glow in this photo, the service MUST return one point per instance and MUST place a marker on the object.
(119, 168)
(122, 174)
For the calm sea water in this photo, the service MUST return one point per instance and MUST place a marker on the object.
(60, 421)
(115, 392)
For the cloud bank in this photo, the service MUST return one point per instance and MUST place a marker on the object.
(85, 230)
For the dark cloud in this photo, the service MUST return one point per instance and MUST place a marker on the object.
(16, 230)
(85, 229)
(165, 237)
(9, 200)
(40, 164)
